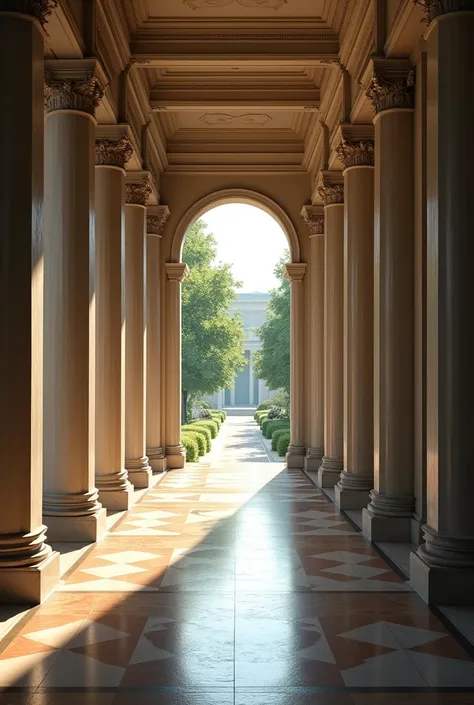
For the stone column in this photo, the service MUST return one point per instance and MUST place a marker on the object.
(250, 378)
(232, 395)
(296, 452)
(357, 478)
(331, 192)
(29, 570)
(175, 275)
(442, 570)
(136, 459)
(314, 219)
(71, 507)
(389, 514)
(115, 490)
(156, 220)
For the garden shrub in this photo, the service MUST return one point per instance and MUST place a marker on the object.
(205, 414)
(220, 414)
(276, 435)
(210, 424)
(263, 415)
(258, 415)
(264, 426)
(202, 438)
(205, 404)
(283, 443)
(274, 426)
(200, 429)
(264, 405)
(189, 441)
(217, 419)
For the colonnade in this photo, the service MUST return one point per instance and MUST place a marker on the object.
(373, 312)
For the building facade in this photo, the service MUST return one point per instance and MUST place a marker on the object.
(349, 122)
(248, 390)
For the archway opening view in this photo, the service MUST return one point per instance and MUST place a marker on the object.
(236, 335)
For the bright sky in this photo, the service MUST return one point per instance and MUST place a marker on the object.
(251, 240)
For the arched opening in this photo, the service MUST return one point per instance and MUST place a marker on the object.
(177, 270)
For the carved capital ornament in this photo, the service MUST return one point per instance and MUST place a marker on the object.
(331, 193)
(137, 194)
(155, 223)
(435, 8)
(392, 85)
(113, 152)
(314, 220)
(356, 153)
(83, 93)
(40, 9)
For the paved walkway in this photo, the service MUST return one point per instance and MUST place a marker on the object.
(234, 584)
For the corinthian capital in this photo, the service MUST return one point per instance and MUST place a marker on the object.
(434, 8)
(356, 153)
(314, 219)
(113, 152)
(41, 9)
(138, 193)
(156, 221)
(392, 84)
(331, 187)
(73, 85)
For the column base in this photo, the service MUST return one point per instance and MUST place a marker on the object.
(89, 528)
(441, 586)
(30, 585)
(295, 457)
(352, 491)
(139, 472)
(176, 457)
(157, 459)
(116, 500)
(313, 459)
(376, 528)
(330, 472)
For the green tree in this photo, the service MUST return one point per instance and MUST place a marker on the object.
(213, 339)
(272, 362)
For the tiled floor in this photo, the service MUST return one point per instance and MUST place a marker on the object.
(234, 584)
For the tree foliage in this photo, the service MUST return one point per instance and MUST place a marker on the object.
(272, 362)
(213, 339)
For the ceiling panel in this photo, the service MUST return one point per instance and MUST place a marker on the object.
(228, 9)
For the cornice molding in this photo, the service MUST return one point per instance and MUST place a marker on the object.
(295, 271)
(176, 271)
(313, 216)
(40, 9)
(392, 84)
(73, 85)
(156, 221)
(272, 4)
(236, 36)
(435, 8)
(113, 152)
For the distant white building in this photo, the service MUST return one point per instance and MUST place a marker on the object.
(248, 390)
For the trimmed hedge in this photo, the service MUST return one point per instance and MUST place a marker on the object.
(264, 405)
(274, 426)
(264, 425)
(200, 437)
(260, 416)
(190, 442)
(203, 430)
(276, 435)
(219, 414)
(283, 443)
(210, 424)
(218, 421)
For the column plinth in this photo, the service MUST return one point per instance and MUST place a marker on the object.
(29, 569)
(314, 219)
(71, 507)
(175, 451)
(357, 156)
(156, 221)
(331, 192)
(136, 460)
(296, 451)
(442, 569)
(115, 490)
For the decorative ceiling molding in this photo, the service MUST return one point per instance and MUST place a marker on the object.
(251, 119)
(272, 4)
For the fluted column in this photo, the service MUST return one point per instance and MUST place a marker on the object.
(296, 452)
(314, 219)
(331, 192)
(442, 570)
(115, 490)
(71, 507)
(356, 482)
(389, 514)
(136, 459)
(156, 220)
(175, 275)
(28, 568)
